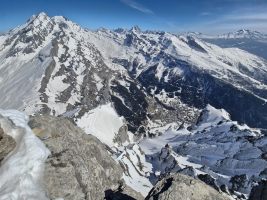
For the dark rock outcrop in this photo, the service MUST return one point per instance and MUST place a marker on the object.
(259, 192)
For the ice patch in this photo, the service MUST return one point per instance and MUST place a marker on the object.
(21, 171)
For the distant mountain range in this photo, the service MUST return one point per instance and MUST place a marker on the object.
(252, 41)
(240, 34)
(244, 33)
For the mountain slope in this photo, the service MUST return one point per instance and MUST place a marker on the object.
(131, 88)
(79, 69)
(244, 33)
(250, 41)
(218, 151)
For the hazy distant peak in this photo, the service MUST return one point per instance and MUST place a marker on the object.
(135, 29)
(243, 33)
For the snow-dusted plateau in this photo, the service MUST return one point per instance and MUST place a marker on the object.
(125, 114)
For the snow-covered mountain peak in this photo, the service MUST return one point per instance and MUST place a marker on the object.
(213, 116)
(43, 22)
(38, 20)
(120, 30)
(41, 17)
(239, 34)
(135, 29)
(244, 33)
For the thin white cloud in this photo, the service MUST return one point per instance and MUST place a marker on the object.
(249, 18)
(205, 14)
(137, 6)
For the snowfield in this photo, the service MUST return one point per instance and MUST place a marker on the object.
(103, 122)
(21, 171)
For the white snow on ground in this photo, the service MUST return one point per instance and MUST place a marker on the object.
(99, 84)
(159, 71)
(212, 116)
(137, 169)
(154, 145)
(21, 171)
(103, 122)
(216, 142)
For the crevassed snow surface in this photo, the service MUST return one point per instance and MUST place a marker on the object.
(21, 170)
(103, 122)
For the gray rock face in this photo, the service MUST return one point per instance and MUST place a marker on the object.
(259, 192)
(178, 186)
(7, 144)
(79, 166)
(122, 135)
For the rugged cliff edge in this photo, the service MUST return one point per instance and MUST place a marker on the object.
(178, 186)
(79, 166)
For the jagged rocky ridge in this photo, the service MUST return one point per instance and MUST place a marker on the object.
(123, 85)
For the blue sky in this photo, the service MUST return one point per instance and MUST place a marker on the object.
(208, 16)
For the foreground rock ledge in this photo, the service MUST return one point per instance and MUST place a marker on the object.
(179, 186)
(79, 166)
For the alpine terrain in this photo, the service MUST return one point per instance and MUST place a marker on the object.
(254, 42)
(130, 114)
